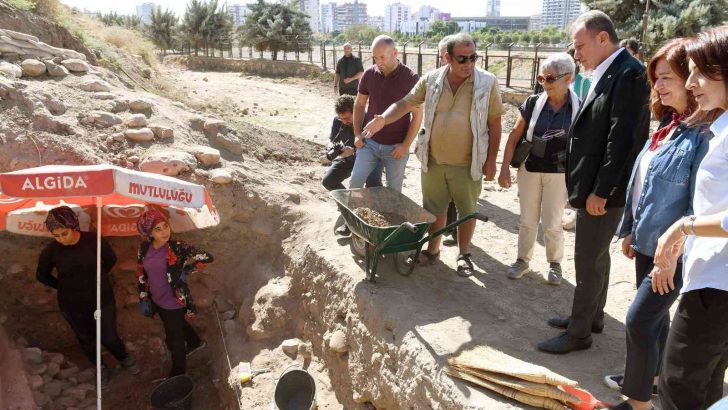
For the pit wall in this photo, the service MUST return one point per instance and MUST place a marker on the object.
(15, 392)
(258, 67)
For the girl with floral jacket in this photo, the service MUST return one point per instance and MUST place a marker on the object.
(163, 267)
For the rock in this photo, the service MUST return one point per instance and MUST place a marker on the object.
(53, 388)
(55, 70)
(271, 309)
(68, 373)
(338, 342)
(290, 347)
(139, 134)
(221, 176)
(229, 315)
(104, 96)
(305, 350)
(568, 220)
(66, 402)
(53, 369)
(118, 137)
(140, 104)
(35, 381)
(76, 65)
(33, 355)
(56, 358)
(43, 121)
(86, 376)
(207, 156)
(222, 304)
(56, 107)
(15, 269)
(33, 68)
(230, 142)
(101, 119)
(213, 127)
(40, 399)
(130, 347)
(78, 393)
(161, 131)
(95, 85)
(136, 120)
(134, 160)
(10, 70)
(169, 163)
(117, 106)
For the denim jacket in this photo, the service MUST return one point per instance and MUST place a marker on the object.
(668, 188)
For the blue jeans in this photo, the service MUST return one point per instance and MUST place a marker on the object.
(648, 323)
(372, 155)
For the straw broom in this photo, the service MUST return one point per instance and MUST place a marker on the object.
(535, 389)
(490, 360)
(525, 398)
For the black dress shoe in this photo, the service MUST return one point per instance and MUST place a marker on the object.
(564, 343)
(562, 322)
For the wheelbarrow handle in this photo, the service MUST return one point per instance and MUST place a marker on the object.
(481, 217)
(409, 226)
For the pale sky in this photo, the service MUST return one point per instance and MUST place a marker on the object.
(459, 8)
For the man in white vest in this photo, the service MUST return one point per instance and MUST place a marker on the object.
(459, 143)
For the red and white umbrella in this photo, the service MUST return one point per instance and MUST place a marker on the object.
(118, 195)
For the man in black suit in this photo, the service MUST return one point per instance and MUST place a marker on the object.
(604, 141)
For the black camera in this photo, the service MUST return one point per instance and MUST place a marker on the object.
(334, 150)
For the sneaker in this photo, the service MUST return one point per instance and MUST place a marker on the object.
(198, 348)
(615, 382)
(554, 274)
(343, 230)
(518, 269)
(130, 365)
(453, 241)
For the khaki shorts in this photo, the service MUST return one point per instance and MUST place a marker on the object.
(444, 183)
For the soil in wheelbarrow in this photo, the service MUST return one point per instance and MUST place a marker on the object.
(378, 219)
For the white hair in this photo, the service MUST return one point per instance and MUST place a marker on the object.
(562, 63)
(442, 45)
(347, 44)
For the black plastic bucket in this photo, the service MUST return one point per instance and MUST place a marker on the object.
(295, 390)
(174, 393)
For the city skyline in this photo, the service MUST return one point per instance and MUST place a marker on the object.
(374, 7)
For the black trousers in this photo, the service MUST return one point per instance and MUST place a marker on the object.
(696, 354)
(648, 323)
(341, 168)
(180, 338)
(84, 326)
(592, 261)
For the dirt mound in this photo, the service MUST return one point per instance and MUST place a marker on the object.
(47, 31)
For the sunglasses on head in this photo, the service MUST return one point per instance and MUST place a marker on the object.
(472, 58)
(549, 78)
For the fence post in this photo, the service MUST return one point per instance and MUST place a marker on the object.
(310, 52)
(404, 52)
(359, 44)
(535, 66)
(250, 51)
(323, 54)
(419, 58)
(333, 55)
(486, 61)
(508, 73)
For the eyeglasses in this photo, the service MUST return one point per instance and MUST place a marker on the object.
(549, 78)
(472, 58)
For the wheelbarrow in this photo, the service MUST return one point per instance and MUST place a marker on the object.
(402, 240)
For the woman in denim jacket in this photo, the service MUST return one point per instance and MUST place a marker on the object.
(659, 194)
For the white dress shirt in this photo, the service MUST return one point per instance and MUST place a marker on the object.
(706, 259)
(600, 70)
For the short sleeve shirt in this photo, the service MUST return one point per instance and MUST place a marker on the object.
(348, 67)
(383, 92)
(451, 137)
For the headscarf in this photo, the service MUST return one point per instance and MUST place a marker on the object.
(62, 217)
(148, 220)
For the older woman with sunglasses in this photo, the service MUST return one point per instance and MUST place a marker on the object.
(659, 193)
(696, 353)
(540, 134)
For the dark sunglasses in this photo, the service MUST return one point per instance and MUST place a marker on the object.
(462, 59)
(549, 78)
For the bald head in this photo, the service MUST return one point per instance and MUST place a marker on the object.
(383, 40)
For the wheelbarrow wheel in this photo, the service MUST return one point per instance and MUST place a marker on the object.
(400, 263)
(358, 245)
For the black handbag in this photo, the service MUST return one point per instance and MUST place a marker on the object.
(523, 149)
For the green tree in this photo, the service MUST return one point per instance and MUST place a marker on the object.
(667, 18)
(207, 26)
(161, 29)
(276, 27)
(361, 32)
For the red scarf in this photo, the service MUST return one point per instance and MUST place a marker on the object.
(663, 132)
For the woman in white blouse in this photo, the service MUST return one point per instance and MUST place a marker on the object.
(696, 354)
